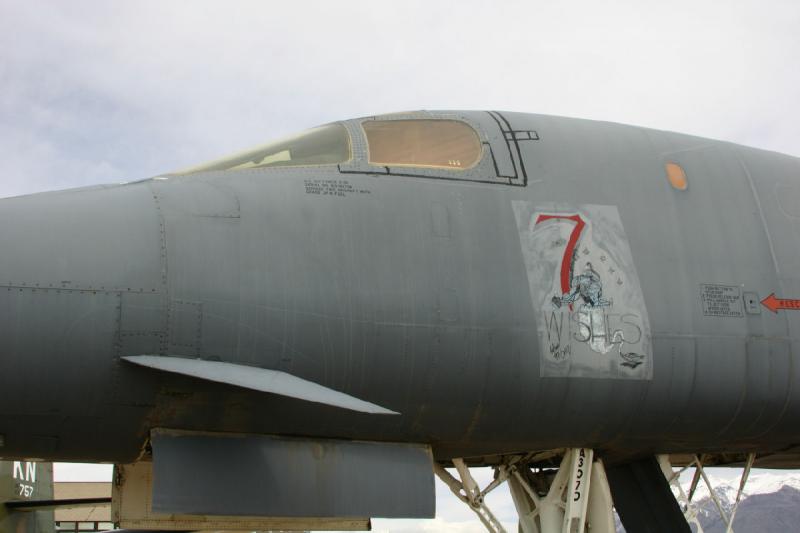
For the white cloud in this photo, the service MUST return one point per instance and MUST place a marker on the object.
(93, 91)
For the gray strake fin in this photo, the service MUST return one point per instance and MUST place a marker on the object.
(260, 379)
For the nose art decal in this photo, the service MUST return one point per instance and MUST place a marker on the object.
(588, 303)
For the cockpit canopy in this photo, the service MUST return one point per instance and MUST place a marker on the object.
(325, 145)
(429, 143)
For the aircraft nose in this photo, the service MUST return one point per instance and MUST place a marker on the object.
(68, 259)
(84, 239)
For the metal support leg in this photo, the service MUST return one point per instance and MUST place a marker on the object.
(751, 457)
(673, 478)
(578, 497)
(468, 491)
(713, 494)
(599, 514)
(690, 511)
(578, 493)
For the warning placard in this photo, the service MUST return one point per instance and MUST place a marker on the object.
(721, 300)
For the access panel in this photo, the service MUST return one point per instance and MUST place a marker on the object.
(259, 475)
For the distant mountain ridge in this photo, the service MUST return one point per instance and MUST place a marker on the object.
(770, 504)
(758, 483)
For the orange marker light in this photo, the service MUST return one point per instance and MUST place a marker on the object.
(676, 176)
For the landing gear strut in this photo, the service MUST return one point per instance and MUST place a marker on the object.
(576, 497)
(570, 499)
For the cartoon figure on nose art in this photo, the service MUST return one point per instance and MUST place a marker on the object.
(586, 285)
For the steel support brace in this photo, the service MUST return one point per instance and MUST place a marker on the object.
(468, 491)
(690, 510)
(599, 514)
(673, 478)
(578, 497)
(578, 494)
(742, 482)
(575, 498)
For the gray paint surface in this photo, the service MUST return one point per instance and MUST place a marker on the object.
(271, 476)
(408, 289)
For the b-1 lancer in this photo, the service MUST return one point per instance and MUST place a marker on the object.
(301, 335)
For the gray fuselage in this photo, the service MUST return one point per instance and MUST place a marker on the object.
(407, 288)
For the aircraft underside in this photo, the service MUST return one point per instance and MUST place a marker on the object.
(561, 490)
(199, 481)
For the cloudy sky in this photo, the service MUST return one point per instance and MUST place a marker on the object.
(97, 92)
(113, 91)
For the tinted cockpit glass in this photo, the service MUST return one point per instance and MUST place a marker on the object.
(325, 145)
(422, 143)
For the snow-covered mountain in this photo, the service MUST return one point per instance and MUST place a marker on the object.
(770, 502)
(757, 483)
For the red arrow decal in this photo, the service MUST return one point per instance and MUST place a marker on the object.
(773, 304)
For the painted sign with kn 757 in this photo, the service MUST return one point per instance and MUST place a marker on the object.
(24, 475)
(589, 306)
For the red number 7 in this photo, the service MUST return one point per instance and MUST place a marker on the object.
(569, 252)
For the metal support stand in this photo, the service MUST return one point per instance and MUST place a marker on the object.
(689, 509)
(685, 502)
(572, 499)
(468, 491)
(742, 482)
